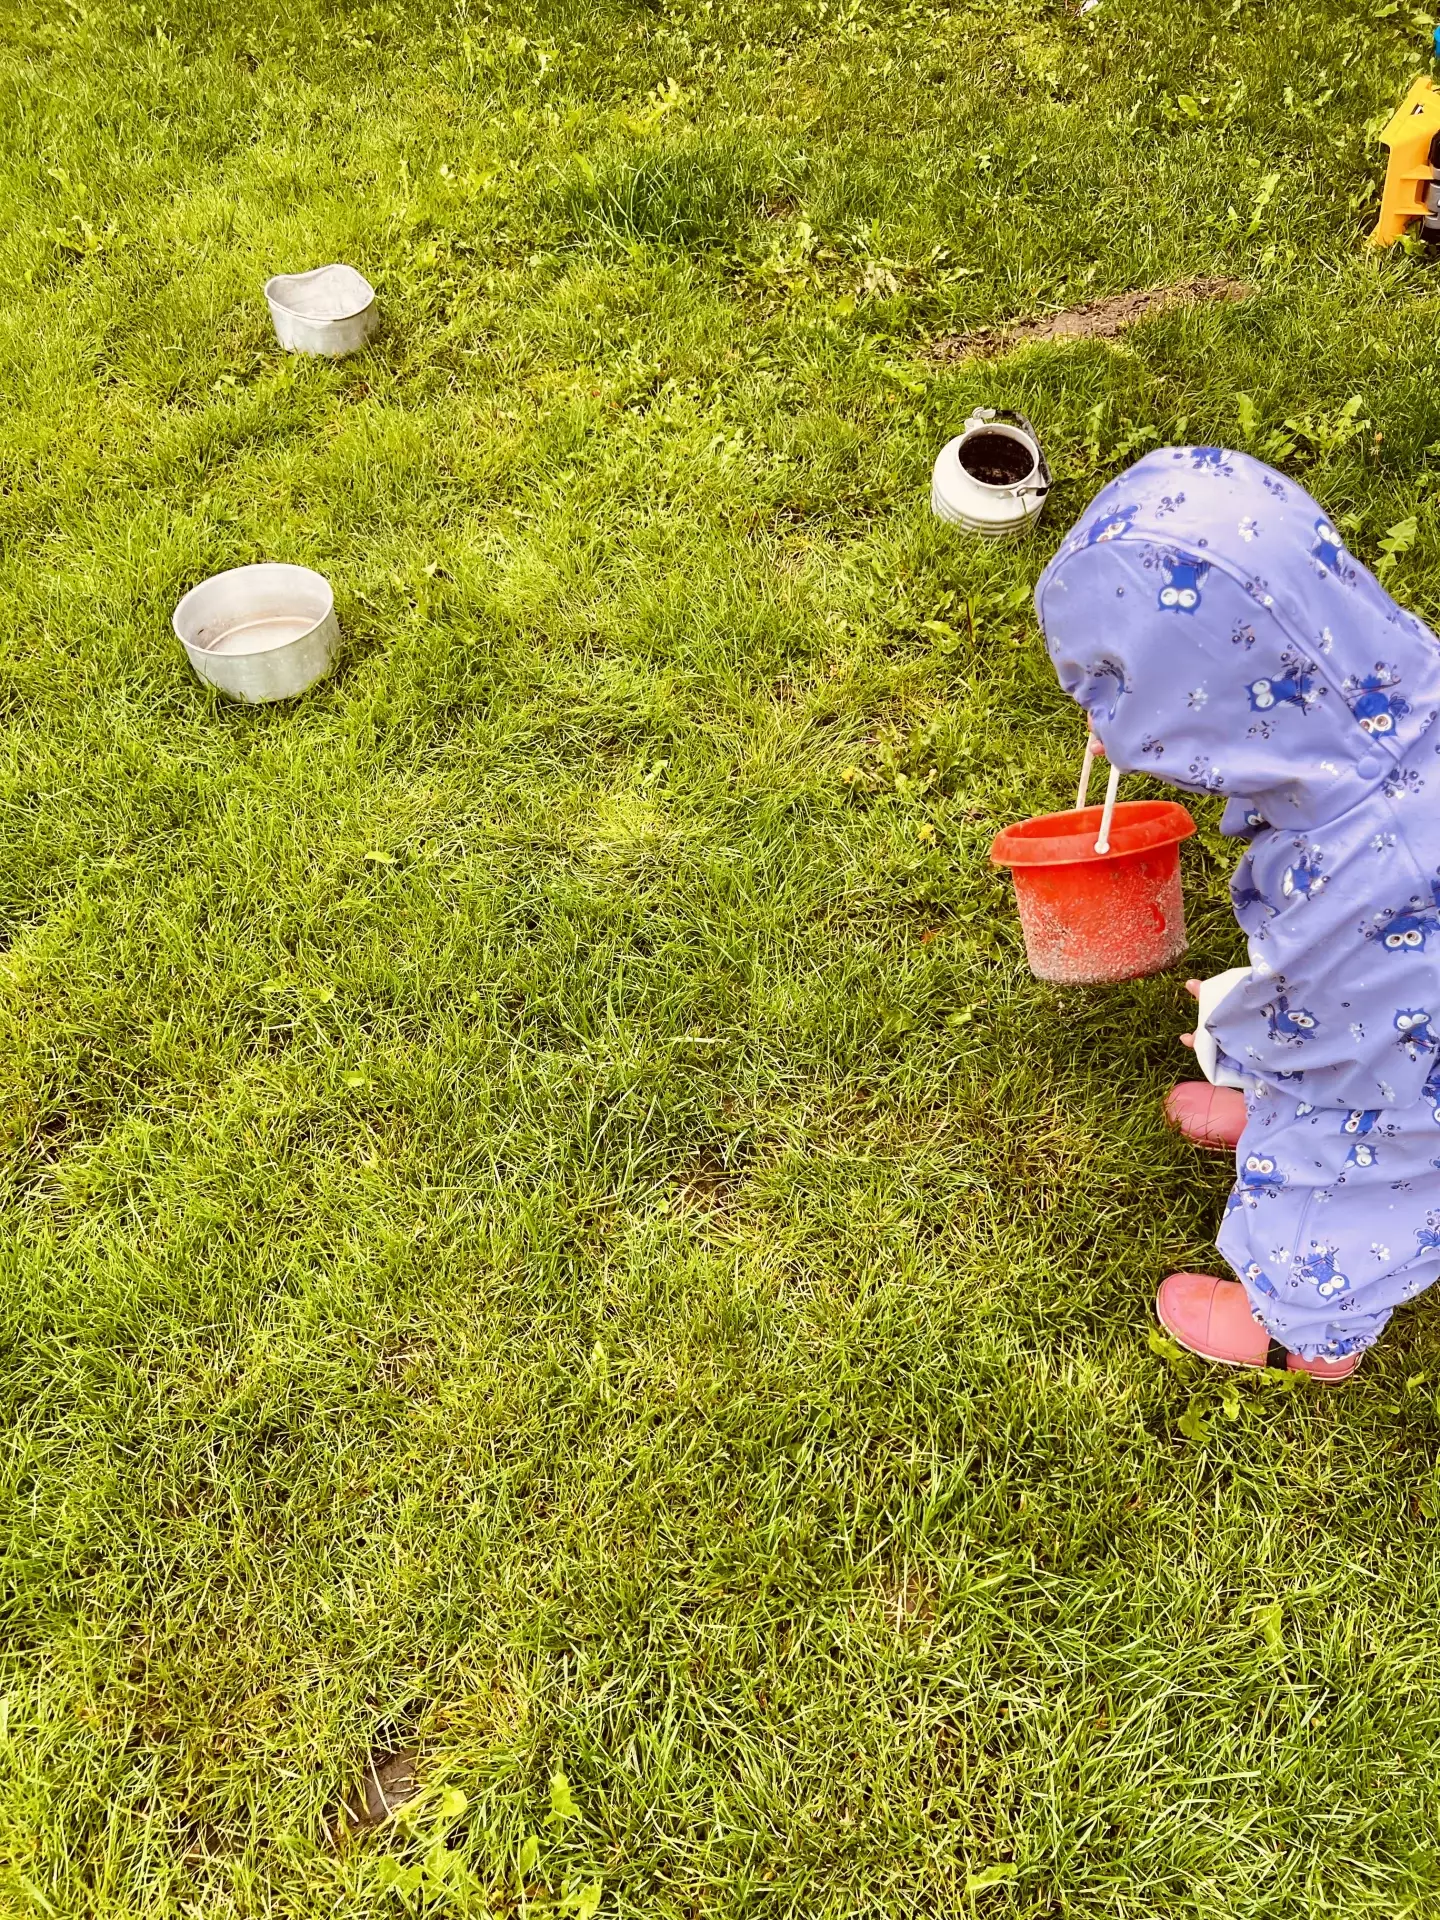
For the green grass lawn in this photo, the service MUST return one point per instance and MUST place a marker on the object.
(545, 1225)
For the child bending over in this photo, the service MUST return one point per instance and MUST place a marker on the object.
(1207, 617)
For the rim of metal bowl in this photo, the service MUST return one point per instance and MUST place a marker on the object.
(316, 319)
(248, 567)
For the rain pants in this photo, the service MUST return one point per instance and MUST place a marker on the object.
(1206, 615)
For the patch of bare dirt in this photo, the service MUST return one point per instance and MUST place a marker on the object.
(709, 1183)
(907, 1601)
(705, 1189)
(1097, 320)
(390, 1779)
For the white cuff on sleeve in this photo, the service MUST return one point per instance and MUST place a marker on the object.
(1212, 992)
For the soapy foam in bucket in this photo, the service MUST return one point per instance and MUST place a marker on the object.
(997, 459)
(1145, 927)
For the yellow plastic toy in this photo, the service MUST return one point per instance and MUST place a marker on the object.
(1411, 192)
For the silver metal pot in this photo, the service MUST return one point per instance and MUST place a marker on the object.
(329, 310)
(259, 633)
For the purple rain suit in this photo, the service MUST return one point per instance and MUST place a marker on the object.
(1207, 617)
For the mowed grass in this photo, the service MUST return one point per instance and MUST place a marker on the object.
(546, 1226)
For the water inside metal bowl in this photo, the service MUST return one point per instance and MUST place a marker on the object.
(260, 633)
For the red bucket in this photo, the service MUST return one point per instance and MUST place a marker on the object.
(1091, 916)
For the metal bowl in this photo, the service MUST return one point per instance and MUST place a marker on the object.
(260, 633)
(328, 310)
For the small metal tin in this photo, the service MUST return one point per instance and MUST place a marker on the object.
(260, 633)
(329, 310)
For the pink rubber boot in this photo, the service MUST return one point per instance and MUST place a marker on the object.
(1212, 1318)
(1210, 1116)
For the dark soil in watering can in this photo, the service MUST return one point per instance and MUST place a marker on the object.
(996, 459)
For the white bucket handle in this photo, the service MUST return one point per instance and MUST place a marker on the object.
(1112, 787)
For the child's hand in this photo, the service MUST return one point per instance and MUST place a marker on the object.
(1192, 987)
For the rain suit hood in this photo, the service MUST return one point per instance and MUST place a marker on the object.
(1206, 615)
